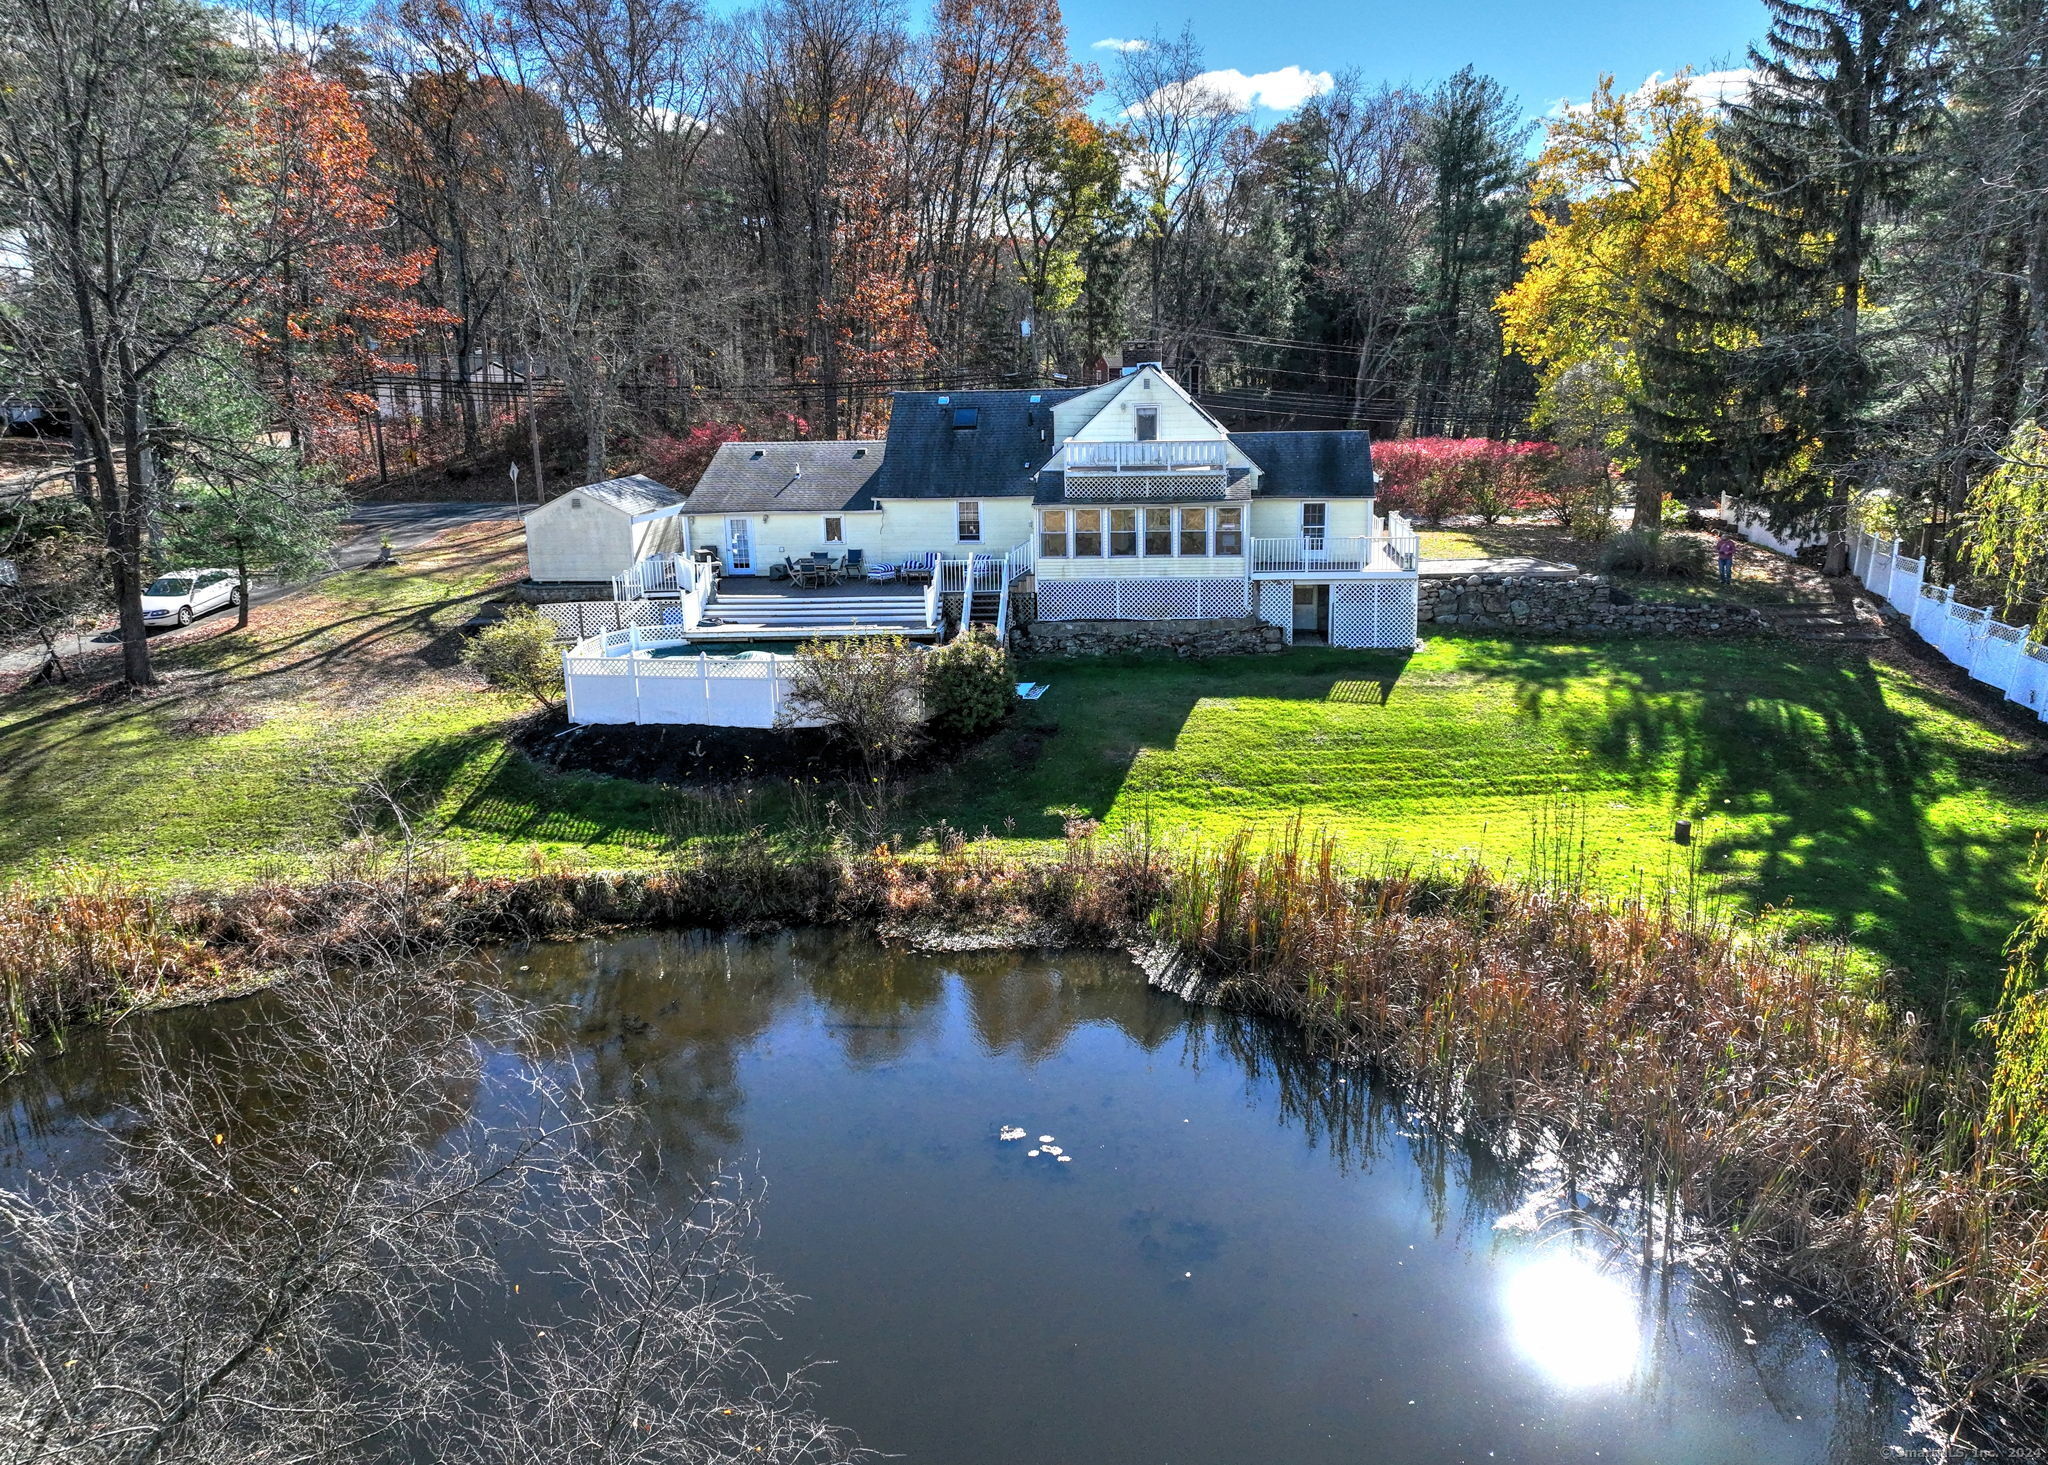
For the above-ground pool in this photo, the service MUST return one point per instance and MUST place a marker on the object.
(722, 648)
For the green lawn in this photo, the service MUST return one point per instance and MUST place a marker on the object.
(1831, 790)
(1828, 789)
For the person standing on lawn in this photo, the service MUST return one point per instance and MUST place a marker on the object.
(1724, 556)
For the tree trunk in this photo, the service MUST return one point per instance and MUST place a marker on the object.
(1649, 501)
(242, 590)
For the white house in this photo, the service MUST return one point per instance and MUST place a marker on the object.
(600, 531)
(1126, 500)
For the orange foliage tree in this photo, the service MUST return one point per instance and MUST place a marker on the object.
(878, 332)
(320, 321)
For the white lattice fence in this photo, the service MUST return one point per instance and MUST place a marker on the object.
(1140, 600)
(1377, 614)
(576, 620)
(1276, 606)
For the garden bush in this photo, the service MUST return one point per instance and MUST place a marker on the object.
(518, 655)
(1636, 553)
(968, 685)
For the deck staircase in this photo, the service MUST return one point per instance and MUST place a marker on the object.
(794, 618)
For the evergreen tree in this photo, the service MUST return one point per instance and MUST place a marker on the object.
(1473, 138)
(1759, 373)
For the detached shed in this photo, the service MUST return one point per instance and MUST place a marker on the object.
(603, 529)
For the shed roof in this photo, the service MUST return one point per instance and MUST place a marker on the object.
(634, 494)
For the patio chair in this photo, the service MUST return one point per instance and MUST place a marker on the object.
(918, 568)
(881, 574)
(799, 572)
(855, 564)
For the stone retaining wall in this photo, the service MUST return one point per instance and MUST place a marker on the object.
(1581, 605)
(1234, 636)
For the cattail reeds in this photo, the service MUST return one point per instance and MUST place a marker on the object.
(1749, 1085)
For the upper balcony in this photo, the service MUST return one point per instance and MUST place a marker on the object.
(1161, 472)
(1148, 457)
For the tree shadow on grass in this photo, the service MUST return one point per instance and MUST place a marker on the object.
(1831, 783)
(476, 782)
(1070, 756)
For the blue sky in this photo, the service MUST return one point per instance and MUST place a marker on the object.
(1541, 53)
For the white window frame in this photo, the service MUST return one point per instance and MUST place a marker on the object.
(1317, 535)
(1065, 533)
(960, 509)
(835, 529)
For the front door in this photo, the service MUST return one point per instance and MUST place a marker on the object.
(1311, 610)
(739, 547)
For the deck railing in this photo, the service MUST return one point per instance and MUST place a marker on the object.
(1149, 457)
(1349, 554)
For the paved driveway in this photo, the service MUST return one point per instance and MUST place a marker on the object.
(407, 524)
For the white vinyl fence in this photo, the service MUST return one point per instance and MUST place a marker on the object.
(610, 679)
(2004, 656)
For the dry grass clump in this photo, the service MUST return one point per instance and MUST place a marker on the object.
(82, 948)
(1749, 1095)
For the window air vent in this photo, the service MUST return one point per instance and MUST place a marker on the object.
(758, 453)
(860, 452)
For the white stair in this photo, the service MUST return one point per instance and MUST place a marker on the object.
(752, 615)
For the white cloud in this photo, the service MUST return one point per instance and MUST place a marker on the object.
(1281, 90)
(1112, 43)
(1711, 89)
(1230, 90)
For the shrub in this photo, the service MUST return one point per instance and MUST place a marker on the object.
(866, 689)
(1578, 488)
(968, 685)
(518, 655)
(1635, 553)
(1436, 477)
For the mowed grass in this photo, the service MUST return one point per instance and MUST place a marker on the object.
(1836, 793)
(1831, 790)
(254, 756)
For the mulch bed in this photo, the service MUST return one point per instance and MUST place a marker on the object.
(683, 754)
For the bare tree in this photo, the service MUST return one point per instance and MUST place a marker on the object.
(279, 1255)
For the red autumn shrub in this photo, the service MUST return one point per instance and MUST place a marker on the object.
(1434, 478)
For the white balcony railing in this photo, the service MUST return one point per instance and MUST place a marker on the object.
(1353, 554)
(1149, 457)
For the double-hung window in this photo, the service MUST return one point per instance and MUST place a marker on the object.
(1159, 532)
(1123, 533)
(1087, 533)
(1230, 530)
(1314, 519)
(835, 529)
(1194, 531)
(1052, 534)
(1148, 424)
(970, 521)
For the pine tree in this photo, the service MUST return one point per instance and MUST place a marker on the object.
(1759, 373)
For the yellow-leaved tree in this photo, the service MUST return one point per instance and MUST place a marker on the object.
(1628, 187)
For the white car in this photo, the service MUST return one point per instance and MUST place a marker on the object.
(173, 599)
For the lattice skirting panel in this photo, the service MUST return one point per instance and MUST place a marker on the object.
(1141, 600)
(1276, 606)
(1378, 613)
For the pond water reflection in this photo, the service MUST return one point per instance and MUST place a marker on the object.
(1245, 1256)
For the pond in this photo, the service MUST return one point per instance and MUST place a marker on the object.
(1238, 1253)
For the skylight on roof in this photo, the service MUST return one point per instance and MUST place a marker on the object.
(965, 417)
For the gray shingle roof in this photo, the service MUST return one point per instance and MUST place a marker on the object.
(636, 494)
(1314, 465)
(796, 478)
(926, 457)
(929, 458)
